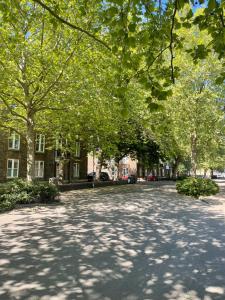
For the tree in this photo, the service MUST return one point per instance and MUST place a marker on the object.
(151, 24)
(192, 123)
(35, 58)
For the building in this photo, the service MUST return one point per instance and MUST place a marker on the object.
(13, 159)
(126, 167)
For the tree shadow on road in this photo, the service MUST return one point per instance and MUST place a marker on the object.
(150, 244)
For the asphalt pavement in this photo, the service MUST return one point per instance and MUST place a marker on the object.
(128, 242)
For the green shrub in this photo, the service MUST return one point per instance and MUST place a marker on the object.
(6, 205)
(20, 191)
(197, 187)
(44, 192)
(21, 197)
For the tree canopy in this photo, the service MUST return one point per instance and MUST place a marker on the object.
(115, 73)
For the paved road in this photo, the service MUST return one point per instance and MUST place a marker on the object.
(123, 242)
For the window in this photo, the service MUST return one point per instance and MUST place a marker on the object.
(77, 149)
(39, 168)
(12, 168)
(113, 171)
(14, 141)
(40, 143)
(125, 171)
(76, 170)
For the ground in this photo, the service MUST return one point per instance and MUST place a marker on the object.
(123, 242)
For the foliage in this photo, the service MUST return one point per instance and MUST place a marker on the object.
(41, 62)
(197, 187)
(44, 192)
(101, 70)
(20, 197)
(22, 192)
(191, 124)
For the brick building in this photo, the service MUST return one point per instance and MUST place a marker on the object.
(126, 167)
(13, 159)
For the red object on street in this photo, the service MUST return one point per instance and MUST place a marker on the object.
(151, 178)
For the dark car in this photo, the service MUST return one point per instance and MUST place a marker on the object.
(132, 179)
(91, 176)
(103, 176)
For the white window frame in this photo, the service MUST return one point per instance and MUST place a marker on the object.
(13, 138)
(40, 143)
(77, 149)
(11, 175)
(125, 171)
(39, 171)
(76, 170)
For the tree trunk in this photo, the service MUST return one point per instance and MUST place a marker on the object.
(30, 138)
(61, 169)
(193, 154)
(211, 173)
(101, 162)
(175, 167)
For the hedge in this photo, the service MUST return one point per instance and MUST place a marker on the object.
(20, 191)
(197, 187)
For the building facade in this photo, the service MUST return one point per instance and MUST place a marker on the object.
(13, 159)
(126, 167)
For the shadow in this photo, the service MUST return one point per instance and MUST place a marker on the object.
(129, 242)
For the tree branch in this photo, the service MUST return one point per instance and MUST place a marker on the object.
(71, 25)
(172, 41)
(11, 128)
(51, 108)
(11, 110)
(13, 97)
(140, 71)
(222, 20)
(39, 101)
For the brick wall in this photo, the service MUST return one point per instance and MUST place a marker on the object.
(48, 157)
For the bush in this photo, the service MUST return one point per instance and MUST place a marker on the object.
(197, 187)
(44, 192)
(21, 197)
(6, 204)
(20, 191)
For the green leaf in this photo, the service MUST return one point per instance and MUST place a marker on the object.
(190, 14)
(132, 27)
(200, 52)
(186, 25)
(119, 2)
(112, 11)
(131, 41)
(212, 4)
(154, 106)
(220, 79)
(3, 6)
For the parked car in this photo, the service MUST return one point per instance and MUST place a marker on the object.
(91, 176)
(129, 178)
(132, 179)
(104, 176)
(152, 178)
